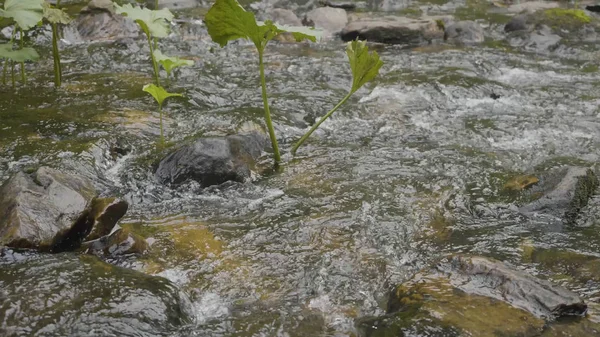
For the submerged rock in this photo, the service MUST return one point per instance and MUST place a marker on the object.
(394, 30)
(51, 210)
(70, 295)
(464, 32)
(495, 279)
(472, 296)
(213, 161)
(331, 20)
(564, 193)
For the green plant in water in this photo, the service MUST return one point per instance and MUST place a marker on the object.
(364, 66)
(154, 23)
(170, 62)
(160, 95)
(26, 14)
(56, 16)
(226, 20)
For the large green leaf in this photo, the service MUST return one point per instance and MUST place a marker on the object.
(19, 55)
(155, 22)
(54, 15)
(170, 62)
(159, 93)
(26, 13)
(364, 65)
(227, 20)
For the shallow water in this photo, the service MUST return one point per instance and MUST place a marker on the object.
(412, 168)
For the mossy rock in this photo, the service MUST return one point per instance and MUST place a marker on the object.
(432, 304)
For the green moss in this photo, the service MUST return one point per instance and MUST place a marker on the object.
(480, 9)
(564, 16)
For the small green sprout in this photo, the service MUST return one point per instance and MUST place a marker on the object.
(154, 23)
(26, 14)
(170, 62)
(226, 20)
(160, 95)
(56, 16)
(365, 67)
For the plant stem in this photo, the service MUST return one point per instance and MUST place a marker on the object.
(154, 65)
(162, 138)
(4, 69)
(314, 127)
(57, 69)
(12, 75)
(23, 79)
(261, 65)
(156, 4)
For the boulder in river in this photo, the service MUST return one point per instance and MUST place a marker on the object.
(331, 20)
(472, 296)
(464, 32)
(395, 30)
(99, 22)
(281, 16)
(564, 192)
(213, 161)
(79, 295)
(52, 210)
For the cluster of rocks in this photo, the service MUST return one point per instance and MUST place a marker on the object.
(534, 25)
(49, 210)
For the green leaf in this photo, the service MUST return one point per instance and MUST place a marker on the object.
(19, 55)
(54, 15)
(26, 13)
(170, 62)
(155, 22)
(227, 20)
(365, 66)
(159, 93)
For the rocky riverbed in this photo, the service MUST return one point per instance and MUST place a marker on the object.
(456, 195)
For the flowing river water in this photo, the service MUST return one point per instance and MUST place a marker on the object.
(412, 168)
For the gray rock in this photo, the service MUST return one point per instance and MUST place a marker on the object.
(471, 296)
(565, 193)
(212, 161)
(98, 22)
(347, 5)
(495, 279)
(79, 295)
(173, 4)
(517, 23)
(51, 210)
(331, 20)
(282, 17)
(464, 32)
(532, 6)
(394, 30)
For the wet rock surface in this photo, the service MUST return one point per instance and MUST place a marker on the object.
(464, 32)
(51, 210)
(564, 192)
(99, 22)
(394, 30)
(495, 279)
(88, 297)
(475, 296)
(329, 19)
(212, 161)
